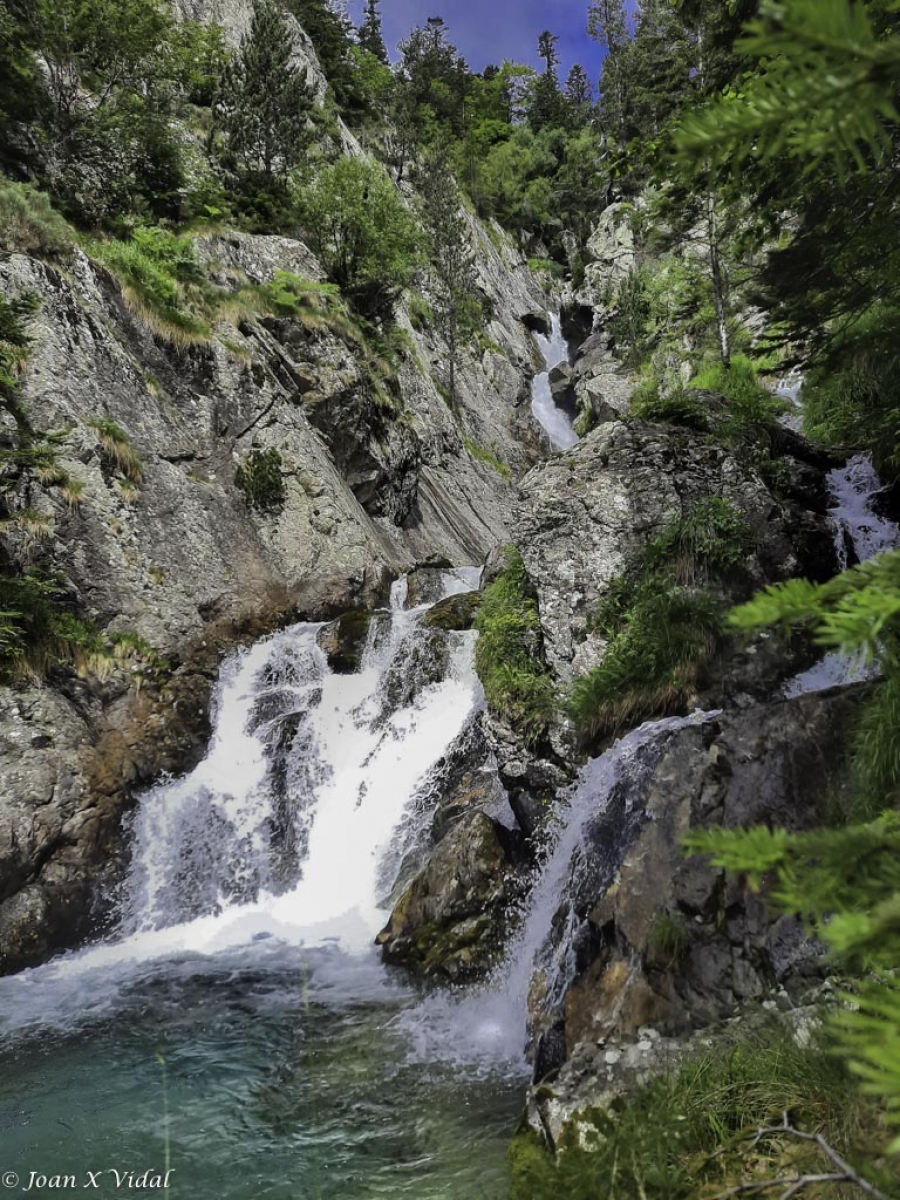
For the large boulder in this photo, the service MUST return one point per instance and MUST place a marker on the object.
(654, 938)
(449, 920)
(611, 253)
(585, 514)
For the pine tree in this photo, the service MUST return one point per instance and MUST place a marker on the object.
(608, 24)
(435, 74)
(819, 120)
(579, 93)
(264, 102)
(456, 308)
(371, 35)
(546, 104)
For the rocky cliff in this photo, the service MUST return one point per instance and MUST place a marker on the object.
(377, 474)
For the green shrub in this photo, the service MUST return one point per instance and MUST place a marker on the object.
(368, 241)
(751, 409)
(663, 629)
(712, 537)
(852, 398)
(692, 1132)
(652, 665)
(630, 321)
(40, 633)
(37, 631)
(259, 477)
(421, 314)
(29, 224)
(669, 937)
(546, 266)
(678, 407)
(314, 305)
(508, 654)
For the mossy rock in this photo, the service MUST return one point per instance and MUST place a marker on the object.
(454, 613)
(344, 641)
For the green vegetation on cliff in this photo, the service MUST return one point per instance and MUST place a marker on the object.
(662, 620)
(508, 657)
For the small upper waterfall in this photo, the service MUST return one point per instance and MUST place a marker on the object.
(857, 524)
(548, 414)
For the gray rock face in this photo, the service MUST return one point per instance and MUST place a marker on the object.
(186, 563)
(448, 920)
(600, 384)
(46, 810)
(234, 17)
(583, 513)
(667, 941)
(611, 255)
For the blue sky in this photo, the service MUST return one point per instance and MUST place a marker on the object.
(491, 30)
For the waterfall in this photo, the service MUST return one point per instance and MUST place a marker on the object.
(549, 416)
(604, 808)
(854, 490)
(314, 786)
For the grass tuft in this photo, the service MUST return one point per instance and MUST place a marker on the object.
(691, 1134)
(508, 656)
(29, 224)
(118, 449)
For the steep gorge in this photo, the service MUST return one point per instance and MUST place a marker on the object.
(297, 534)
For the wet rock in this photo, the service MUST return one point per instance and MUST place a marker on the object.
(661, 940)
(537, 322)
(449, 920)
(344, 640)
(455, 612)
(426, 584)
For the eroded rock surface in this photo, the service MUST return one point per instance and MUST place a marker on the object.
(660, 939)
(448, 920)
(584, 513)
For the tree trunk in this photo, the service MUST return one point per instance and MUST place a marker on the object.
(718, 280)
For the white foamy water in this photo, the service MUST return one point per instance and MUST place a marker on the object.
(549, 416)
(284, 833)
(854, 488)
(790, 389)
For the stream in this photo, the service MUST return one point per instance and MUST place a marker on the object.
(857, 525)
(239, 1029)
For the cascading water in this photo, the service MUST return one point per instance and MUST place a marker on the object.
(547, 413)
(609, 793)
(854, 489)
(245, 954)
